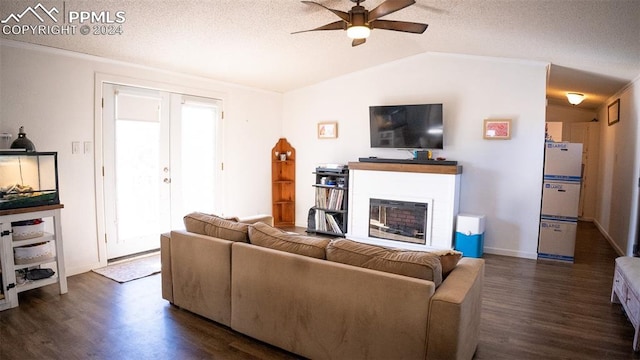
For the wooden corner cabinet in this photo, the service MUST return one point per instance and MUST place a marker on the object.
(39, 249)
(329, 215)
(283, 183)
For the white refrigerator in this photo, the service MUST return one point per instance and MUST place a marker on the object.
(560, 199)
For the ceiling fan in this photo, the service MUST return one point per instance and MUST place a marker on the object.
(359, 22)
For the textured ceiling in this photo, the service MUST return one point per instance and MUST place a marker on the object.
(593, 45)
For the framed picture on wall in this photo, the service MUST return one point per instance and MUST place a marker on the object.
(497, 129)
(327, 130)
(614, 112)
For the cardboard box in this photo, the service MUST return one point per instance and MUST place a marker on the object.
(557, 240)
(563, 160)
(560, 198)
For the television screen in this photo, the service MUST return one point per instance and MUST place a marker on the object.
(406, 126)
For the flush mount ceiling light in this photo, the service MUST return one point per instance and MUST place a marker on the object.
(575, 98)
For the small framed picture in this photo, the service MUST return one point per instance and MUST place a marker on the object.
(614, 112)
(327, 130)
(497, 129)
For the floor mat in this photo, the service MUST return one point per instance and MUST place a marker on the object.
(131, 269)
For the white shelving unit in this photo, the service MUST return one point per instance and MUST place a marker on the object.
(10, 287)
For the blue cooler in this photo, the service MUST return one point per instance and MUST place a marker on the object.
(470, 235)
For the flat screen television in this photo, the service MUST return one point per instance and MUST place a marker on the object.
(406, 126)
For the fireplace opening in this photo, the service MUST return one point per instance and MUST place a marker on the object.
(398, 220)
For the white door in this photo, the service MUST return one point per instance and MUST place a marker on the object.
(196, 156)
(136, 169)
(162, 159)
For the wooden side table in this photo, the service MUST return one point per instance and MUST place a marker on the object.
(8, 267)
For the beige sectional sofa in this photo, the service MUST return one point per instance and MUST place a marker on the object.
(252, 277)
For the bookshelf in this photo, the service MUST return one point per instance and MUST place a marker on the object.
(283, 183)
(329, 215)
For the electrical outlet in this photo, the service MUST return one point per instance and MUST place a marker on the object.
(75, 147)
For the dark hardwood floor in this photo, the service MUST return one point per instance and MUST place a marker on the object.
(551, 310)
(531, 310)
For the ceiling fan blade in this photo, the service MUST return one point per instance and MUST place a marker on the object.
(404, 26)
(357, 42)
(433, 9)
(388, 7)
(343, 15)
(338, 25)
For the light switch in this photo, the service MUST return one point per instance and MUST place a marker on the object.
(87, 147)
(75, 147)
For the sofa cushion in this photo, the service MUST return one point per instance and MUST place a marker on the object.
(215, 226)
(448, 259)
(267, 236)
(418, 264)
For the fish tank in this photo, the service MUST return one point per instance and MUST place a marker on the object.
(28, 179)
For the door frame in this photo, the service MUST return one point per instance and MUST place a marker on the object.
(99, 80)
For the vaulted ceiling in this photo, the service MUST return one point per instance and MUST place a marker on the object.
(593, 46)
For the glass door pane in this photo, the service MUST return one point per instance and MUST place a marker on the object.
(136, 169)
(137, 185)
(198, 156)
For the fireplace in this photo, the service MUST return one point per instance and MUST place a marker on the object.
(437, 186)
(397, 220)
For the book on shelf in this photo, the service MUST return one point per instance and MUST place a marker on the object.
(321, 197)
(329, 198)
(333, 223)
(320, 220)
(327, 222)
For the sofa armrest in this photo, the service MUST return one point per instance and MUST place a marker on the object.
(454, 318)
(165, 259)
(201, 275)
(263, 218)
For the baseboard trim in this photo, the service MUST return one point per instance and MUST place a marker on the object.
(81, 269)
(606, 235)
(512, 253)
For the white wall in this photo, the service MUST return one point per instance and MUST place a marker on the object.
(501, 179)
(617, 206)
(51, 93)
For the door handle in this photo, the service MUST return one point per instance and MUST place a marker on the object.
(167, 181)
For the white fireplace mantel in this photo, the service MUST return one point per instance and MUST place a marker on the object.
(438, 185)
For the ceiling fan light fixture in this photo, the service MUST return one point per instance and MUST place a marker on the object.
(358, 32)
(575, 98)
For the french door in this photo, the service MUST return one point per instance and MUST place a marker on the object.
(160, 152)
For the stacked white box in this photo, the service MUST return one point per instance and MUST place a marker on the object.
(563, 161)
(560, 199)
(558, 238)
